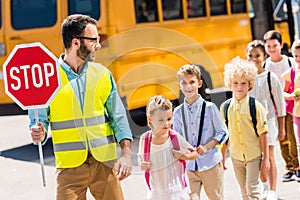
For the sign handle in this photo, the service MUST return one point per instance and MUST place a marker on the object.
(40, 150)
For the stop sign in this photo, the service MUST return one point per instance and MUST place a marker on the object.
(31, 76)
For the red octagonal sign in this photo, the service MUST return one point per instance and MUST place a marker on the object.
(31, 76)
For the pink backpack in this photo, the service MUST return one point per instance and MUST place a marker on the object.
(176, 146)
(289, 104)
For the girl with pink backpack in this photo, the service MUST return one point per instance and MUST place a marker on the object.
(162, 153)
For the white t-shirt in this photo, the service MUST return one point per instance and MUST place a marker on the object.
(166, 171)
(279, 67)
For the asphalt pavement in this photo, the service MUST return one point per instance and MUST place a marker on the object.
(21, 179)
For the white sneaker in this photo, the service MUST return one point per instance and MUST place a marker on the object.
(264, 194)
(272, 195)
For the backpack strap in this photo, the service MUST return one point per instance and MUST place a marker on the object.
(226, 106)
(270, 88)
(253, 113)
(292, 76)
(174, 140)
(201, 122)
(184, 121)
(176, 146)
(290, 64)
(147, 143)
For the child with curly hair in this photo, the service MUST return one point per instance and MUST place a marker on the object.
(248, 143)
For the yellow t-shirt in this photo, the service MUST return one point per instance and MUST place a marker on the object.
(287, 76)
(244, 143)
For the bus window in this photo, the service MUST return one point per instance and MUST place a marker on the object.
(145, 11)
(172, 9)
(196, 8)
(218, 7)
(30, 14)
(85, 7)
(238, 6)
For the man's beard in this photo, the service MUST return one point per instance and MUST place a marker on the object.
(85, 54)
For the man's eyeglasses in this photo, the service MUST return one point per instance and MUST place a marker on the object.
(89, 38)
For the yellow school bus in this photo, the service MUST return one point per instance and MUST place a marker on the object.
(144, 42)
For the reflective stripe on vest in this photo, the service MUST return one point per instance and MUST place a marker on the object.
(76, 123)
(72, 146)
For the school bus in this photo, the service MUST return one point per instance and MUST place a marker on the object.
(144, 42)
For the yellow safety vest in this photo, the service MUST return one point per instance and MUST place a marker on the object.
(75, 130)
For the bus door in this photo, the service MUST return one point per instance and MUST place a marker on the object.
(261, 17)
(284, 20)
